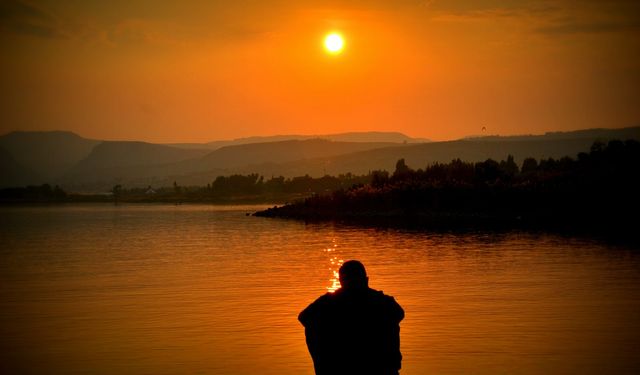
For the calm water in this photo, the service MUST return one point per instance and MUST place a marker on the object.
(208, 290)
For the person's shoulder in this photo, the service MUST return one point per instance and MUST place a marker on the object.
(389, 302)
(381, 295)
(315, 307)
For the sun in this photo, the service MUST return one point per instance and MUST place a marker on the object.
(334, 43)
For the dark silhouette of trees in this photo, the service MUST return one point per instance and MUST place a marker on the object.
(488, 171)
(177, 188)
(237, 183)
(597, 190)
(379, 178)
(509, 167)
(529, 165)
(116, 191)
(402, 171)
(43, 193)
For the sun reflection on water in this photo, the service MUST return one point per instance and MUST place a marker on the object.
(336, 262)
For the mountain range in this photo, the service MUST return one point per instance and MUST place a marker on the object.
(392, 137)
(87, 165)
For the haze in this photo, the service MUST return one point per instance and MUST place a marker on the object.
(196, 71)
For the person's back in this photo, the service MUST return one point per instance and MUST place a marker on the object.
(354, 330)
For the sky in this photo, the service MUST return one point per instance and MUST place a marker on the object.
(198, 71)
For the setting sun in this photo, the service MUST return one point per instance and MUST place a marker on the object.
(334, 43)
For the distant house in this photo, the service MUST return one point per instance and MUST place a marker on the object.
(150, 191)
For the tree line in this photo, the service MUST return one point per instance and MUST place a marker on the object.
(597, 188)
(599, 183)
(224, 189)
(33, 193)
(245, 188)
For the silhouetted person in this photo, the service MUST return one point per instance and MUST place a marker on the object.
(355, 330)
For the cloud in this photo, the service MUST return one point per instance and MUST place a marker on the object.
(588, 27)
(369, 4)
(555, 18)
(133, 31)
(493, 13)
(22, 18)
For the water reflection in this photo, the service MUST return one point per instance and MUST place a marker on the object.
(335, 262)
(206, 290)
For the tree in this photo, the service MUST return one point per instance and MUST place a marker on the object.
(488, 171)
(529, 165)
(379, 178)
(402, 170)
(509, 167)
(116, 191)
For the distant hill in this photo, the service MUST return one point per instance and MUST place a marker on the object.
(79, 164)
(283, 151)
(368, 137)
(111, 161)
(604, 134)
(43, 155)
(110, 154)
(374, 137)
(13, 173)
(419, 156)
(554, 145)
(140, 164)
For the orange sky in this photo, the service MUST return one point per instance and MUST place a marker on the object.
(196, 71)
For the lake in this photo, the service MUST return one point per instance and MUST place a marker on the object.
(161, 289)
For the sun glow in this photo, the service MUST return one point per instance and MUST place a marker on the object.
(334, 43)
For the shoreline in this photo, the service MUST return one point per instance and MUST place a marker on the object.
(619, 230)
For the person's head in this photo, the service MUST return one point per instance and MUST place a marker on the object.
(353, 275)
